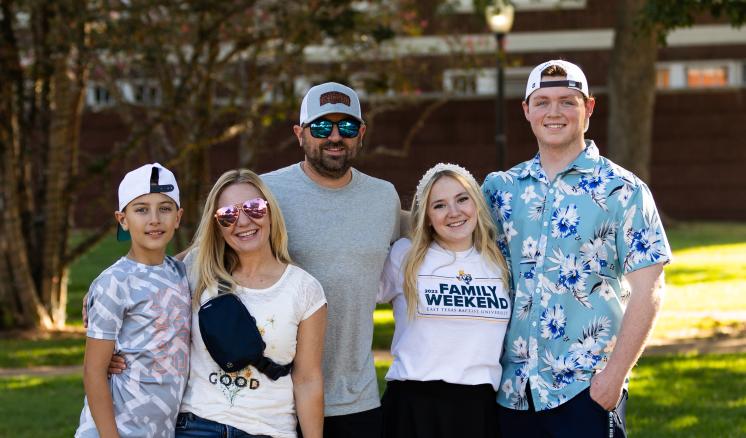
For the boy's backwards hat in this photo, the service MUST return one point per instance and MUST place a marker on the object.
(575, 78)
(329, 98)
(150, 178)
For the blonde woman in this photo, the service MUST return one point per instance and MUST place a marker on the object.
(448, 285)
(242, 239)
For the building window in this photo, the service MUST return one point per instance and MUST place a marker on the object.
(146, 94)
(699, 74)
(98, 96)
(697, 77)
(460, 82)
(467, 6)
(483, 81)
(663, 78)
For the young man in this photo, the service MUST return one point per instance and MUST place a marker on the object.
(575, 225)
(140, 308)
(340, 225)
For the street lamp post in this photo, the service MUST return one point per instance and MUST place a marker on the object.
(499, 17)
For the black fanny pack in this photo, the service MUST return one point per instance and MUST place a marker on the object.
(232, 337)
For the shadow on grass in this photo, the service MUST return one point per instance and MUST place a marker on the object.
(685, 235)
(58, 350)
(32, 407)
(693, 396)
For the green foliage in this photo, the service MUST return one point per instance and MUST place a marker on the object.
(667, 15)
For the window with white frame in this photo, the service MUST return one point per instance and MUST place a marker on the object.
(146, 93)
(98, 96)
(483, 81)
(467, 6)
(462, 82)
(700, 74)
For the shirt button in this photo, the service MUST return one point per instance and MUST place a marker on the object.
(538, 290)
(533, 323)
(551, 191)
(546, 223)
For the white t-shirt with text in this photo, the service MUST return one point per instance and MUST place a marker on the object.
(460, 322)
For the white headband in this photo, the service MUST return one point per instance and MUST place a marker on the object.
(438, 168)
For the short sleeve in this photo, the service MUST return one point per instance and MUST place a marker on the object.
(642, 241)
(392, 278)
(106, 307)
(490, 192)
(314, 297)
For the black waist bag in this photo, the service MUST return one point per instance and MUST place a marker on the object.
(232, 337)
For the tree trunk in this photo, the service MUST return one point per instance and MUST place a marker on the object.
(632, 90)
(26, 310)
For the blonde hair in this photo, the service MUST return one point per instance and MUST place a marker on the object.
(215, 259)
(422, 234)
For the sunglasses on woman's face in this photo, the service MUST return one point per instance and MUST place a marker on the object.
(322, 128)
(254, 208)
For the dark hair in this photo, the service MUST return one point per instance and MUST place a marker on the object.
(554, 71)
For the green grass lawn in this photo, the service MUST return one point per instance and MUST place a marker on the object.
(681, 396)
(33, 407)
(55, 351)
(706, 281)
(671, 395)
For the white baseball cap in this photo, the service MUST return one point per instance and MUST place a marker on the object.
(328, 98)
(150, 178)
(575, 78)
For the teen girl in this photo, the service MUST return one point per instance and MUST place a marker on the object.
(448, 285)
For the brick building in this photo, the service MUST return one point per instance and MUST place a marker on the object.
(699, 151)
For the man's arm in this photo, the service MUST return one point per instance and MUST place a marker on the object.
(645, 302)
(308, 380)
(97, 355)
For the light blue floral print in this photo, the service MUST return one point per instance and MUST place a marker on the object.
(568, 242)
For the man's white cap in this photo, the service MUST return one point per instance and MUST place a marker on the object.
(575, 78)
(328, 98)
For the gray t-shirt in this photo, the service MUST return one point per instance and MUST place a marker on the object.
(146, 311)
(342, 237)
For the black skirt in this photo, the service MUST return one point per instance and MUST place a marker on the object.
(436, 409)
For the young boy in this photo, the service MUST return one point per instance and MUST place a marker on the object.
(140, 308)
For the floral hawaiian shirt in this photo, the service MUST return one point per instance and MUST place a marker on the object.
(569, 242)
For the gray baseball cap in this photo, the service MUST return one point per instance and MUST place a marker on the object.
(328, 98)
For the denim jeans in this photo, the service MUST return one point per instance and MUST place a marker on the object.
(189, 425)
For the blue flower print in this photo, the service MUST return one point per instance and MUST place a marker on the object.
(565, 221)
(553, 322)
(501, 202)
(562, 369)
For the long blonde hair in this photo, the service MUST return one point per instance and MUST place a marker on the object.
(422, 234)
(215, 258)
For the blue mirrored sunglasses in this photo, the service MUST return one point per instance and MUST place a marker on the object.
(322, 128)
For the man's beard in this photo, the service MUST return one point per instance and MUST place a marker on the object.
(333, 167)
